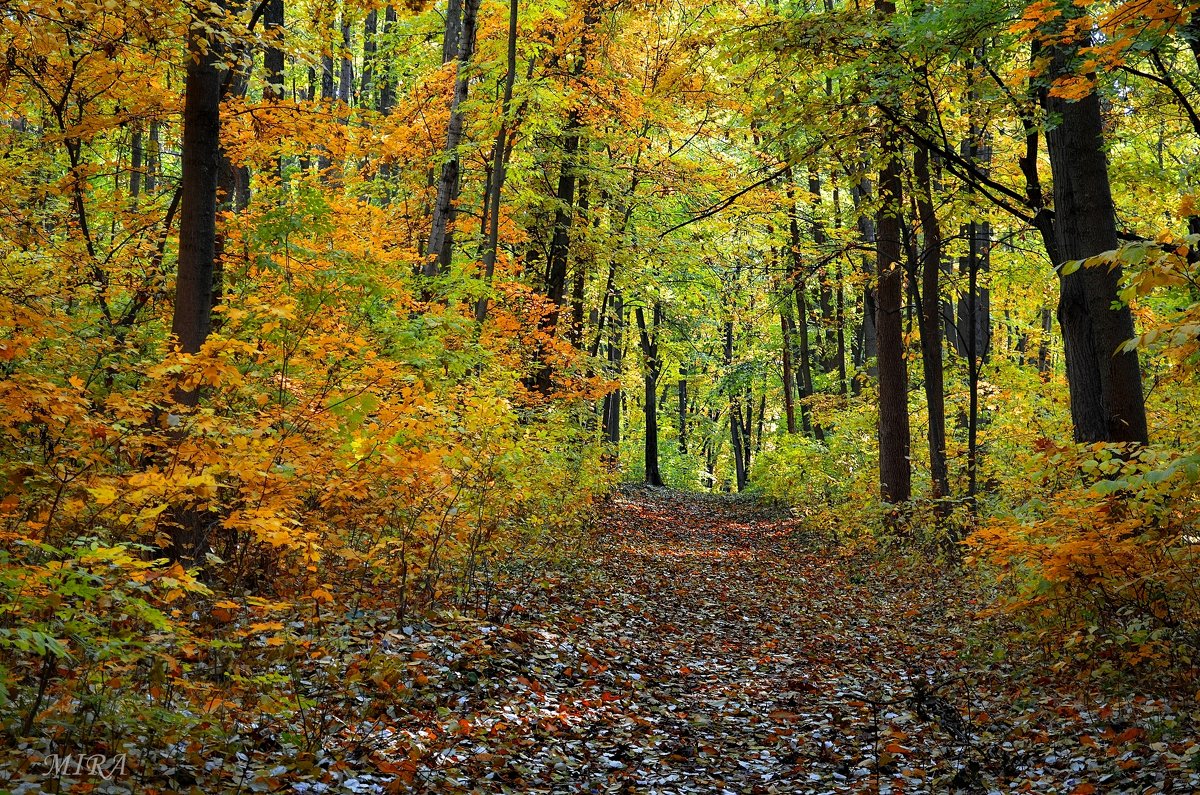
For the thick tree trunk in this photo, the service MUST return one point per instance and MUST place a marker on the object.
(1105, 384)
(273, 60)
(192, 319)
(454, 27)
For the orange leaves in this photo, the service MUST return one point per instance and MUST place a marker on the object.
(1099, 571)
(1035, 15)
(1072, 88)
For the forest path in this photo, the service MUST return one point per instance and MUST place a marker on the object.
(716, 646)
(761, 661)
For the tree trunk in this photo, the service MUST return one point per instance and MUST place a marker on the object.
(735, 415)
(273, 66)
(931, 327)
(1105, 384)
(579, 279)
(564, 213)
(825, 333)
(800, 284)
(441, 235)
(652, 368)
(499, 166)
(1046, 324)
(868, 349)
(683, 409)
(789, 395)
(387, 85)
(192, 319)
(153, 159)
(135, 163)
(840, 321)
(328, 92)
(366, 82)
(346, 78)
(895, 475)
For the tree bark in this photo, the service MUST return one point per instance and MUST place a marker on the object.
(895, 474)
(499, 165)
(192, 319)
(612, 413)
(735, 416)
(789, 395)
(441, 235)
(652, 368)
(683, 409)
(868, 348)
(366, 81)
(1105, 384)
(931, 327)
(804, 382)
(346, 78)
(387, 85)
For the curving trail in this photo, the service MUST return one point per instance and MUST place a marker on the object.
(716, 647)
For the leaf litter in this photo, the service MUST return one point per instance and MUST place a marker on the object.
(717, 646)
(709, 645)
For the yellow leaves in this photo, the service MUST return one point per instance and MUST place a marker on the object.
(103, 495)
(1150, 15)
(1072, 88)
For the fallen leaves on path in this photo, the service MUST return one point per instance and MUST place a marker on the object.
(715, 646)
(721, 648)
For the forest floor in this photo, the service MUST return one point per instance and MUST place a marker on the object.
(715, 646)
(712, 645)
